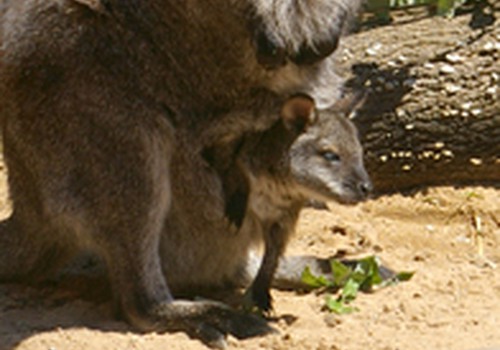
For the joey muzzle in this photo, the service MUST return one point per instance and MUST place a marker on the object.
(361, 183)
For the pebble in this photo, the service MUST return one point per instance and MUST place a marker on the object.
(373, 50)
(466, 106)
(451, 88)
(348, 54)
(492, 90)
(489, 47)
(454, 58)
(410, 82)
(389, 86)
(475, 161)
(332, 320)
(447, 69)
(383, 158)
(447, 153)
(402, 58)
(462, 239)
(476, 111)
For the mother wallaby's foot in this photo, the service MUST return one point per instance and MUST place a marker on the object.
(209, 321)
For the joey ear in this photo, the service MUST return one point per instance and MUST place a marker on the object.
(299, 112)
(350, 102)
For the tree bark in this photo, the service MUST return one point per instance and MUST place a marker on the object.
(432, 110)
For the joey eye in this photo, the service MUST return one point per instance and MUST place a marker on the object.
(330, 156)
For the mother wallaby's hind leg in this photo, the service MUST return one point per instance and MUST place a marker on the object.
(26, 256)
(31, 248)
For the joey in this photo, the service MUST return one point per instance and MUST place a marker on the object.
(306, 155)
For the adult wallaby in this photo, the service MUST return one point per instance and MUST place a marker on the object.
(305, 155)
(93, 97)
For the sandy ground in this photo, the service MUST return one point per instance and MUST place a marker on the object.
(450, 237)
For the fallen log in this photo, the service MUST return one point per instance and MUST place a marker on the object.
(432, 109)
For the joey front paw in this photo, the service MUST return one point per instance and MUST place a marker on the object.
(258, 299)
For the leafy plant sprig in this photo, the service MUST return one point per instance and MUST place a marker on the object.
(364, 275)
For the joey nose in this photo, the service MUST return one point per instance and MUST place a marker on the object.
(365, 187)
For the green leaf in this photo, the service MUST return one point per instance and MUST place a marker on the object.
(314, 281)
(367, 273)
(399, 277)
(350, 290)
(340, 272)
(338, 306)
(404, 276)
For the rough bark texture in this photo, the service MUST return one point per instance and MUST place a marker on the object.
(432, 112)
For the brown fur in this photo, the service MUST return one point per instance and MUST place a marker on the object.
(97, 96)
